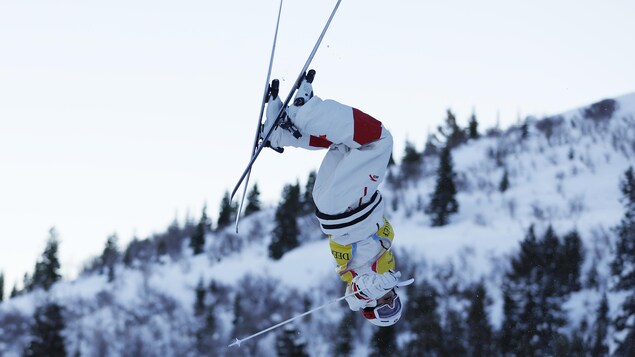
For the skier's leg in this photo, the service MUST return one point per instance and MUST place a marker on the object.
(349, 177)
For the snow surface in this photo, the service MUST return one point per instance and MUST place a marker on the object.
(569, 180)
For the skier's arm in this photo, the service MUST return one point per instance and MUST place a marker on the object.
(337, 123)
(283, 138)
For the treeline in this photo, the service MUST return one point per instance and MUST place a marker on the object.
(176, 239)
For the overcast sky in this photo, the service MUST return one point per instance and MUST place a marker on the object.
(118, 116)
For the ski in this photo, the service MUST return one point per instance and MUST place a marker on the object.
(265, 99)
(281, 114)
(239, 341)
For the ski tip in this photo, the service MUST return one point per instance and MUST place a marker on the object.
(236, 343)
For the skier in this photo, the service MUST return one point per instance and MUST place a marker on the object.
(350, 209)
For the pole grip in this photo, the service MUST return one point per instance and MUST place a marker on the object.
(274, 89)
(310, 76)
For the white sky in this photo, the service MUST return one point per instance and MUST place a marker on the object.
(117, 116)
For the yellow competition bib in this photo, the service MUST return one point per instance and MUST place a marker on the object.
(385, 261)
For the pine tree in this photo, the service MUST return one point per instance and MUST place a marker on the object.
(577, 346)
(238, 321)
(431, 147)
(426, 323)
(411, 162)
(519, 324)
(384, 342)
(308, 206)
(14, 291)
(570, 263)
(443, 200)
(247, 312)
(524, 130)
(46, 332)
(451, 132)
(342, 345)
(285, 233)
(550, 320)
(110, 257)
(205, 334)
(529, 320)
(563, 259)
(479, 330)
(504, 184)
(510, 333)
(47, 269)
(197, 239)
(288, 345)
(473, 128)
(454, 334)
(592, 280)
(162, 248)
(199, 300)
(227, 211)
(623, 265)
(253, 201)
(549, 261)
(523, 263)
(599, 345)
(171, 242)
(533, 299)
(27, 281)
(208, 340)
(260, 303)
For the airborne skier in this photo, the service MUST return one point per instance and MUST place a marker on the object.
(350, 208)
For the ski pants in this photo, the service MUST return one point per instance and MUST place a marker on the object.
(359, 148)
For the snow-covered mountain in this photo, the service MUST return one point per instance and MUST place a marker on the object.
(564, 172)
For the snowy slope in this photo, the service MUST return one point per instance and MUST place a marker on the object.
(568, 178)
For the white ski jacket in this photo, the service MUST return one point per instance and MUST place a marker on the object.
(349, 206)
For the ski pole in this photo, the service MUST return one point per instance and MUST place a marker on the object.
(265, 98)
(240, 341)
(286, 102)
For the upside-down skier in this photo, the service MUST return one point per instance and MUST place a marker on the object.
(350, 207)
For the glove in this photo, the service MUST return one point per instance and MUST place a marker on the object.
(374, 286)
(305, 90)
(273, 108)
(303, 95)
